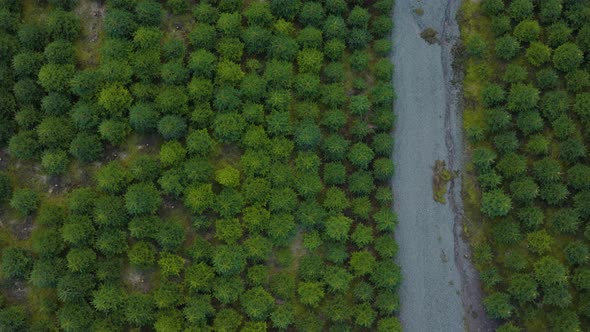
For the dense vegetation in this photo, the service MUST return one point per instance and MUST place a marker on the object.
(528, 111)
(224, 167)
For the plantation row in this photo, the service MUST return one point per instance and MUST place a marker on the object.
(530, 111)
(262, 200)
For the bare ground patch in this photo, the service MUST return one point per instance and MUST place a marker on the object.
(15, 291)
(138, 280)
(91, 14)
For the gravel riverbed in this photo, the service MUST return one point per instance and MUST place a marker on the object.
(440, 289)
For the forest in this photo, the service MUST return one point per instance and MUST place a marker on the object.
(211, 165)
(527, 120)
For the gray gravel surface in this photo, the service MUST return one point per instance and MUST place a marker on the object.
(440, 289)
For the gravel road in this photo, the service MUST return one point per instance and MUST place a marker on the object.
(440, 289)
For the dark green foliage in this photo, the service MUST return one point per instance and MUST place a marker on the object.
(506, 47)
(576, 253)
(32, 36)
(506, 143)
(495, 203)
(59, 52)
(257, 40)
(75, 316)
(142, 198)
(139, 309)
(567, 57)
(53, 77)
(258, 14)
(148, 12)
(201, 63)
(228, 289)
(492, 7)
(55, 163)
(24, 145)
(515, 74)
(360, 155)
(577, 80)
(524, 190)
(120, 24)
(177, 6)
(63, 25)
(143, 118)
(16, 263)
(546, 78)
(260, 142)
(309, 37)
(578, 176)
(202, 37)
(24, 201)
(522, 97)
(81, 259)
(113, 131)
(498, 305)
(172, 127)
(312, 13)
(257, 303)
(283, 48)
(527, 30)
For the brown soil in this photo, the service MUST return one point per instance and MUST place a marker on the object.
(3, 159)
(138, 280)
(15, 291)
(21, 228)
(91, 13)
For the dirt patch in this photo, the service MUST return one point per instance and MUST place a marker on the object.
(21, 228)
(113, 153)
(91, 14)
(138, 280)
(178, 26)
(149, 144)
(58, 185)
(297, 245)
(15, 291)
(3, 159)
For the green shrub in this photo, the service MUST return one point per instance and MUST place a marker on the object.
(507, 47)
(312, 13)
(148, 13)
(537, 54)
(498, 305)
(172, 127)
(59, 52)
(63, 25)
(521, 9)
(493, 7)
(113, 131)
(33, 35)
(16, 263)
(476, 46)
(527, 31)
(24, 201)
(258, 13)
(567, 57)
(86, 147)
(55, 162)
(120, 24)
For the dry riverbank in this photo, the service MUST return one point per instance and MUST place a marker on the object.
(440, 289)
